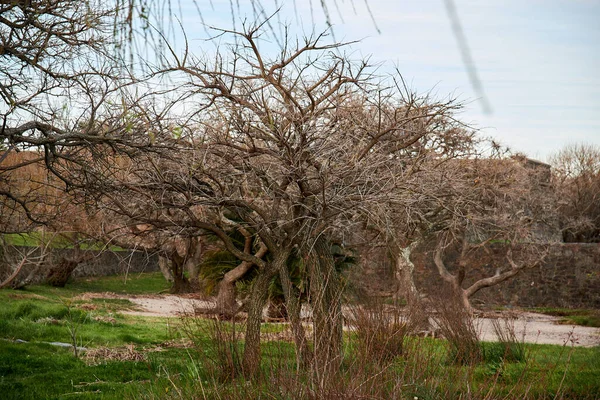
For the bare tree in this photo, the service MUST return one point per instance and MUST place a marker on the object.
(31, 196)
(61, 90)
(576, 178)
(226, 296)
(297, 150)
(495, 202)
(65, 100)
(294, 150)
(416, 207)
(37, 212)
(20, 266)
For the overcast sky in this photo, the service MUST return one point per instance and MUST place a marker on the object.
(538, 60)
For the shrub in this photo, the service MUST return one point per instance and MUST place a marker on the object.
(457, 326)
(380, 330)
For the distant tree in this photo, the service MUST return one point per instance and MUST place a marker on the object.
(30, 195)
(61, 90)
(502, 202)
(419, 207)
(451, 196)
(576, 179)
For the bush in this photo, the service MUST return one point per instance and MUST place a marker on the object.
(380, 331)
(457, 325)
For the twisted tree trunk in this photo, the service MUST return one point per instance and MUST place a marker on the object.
(258, 299)
(293, 307)
(59, 274)
(181, 283)
(404, 274)
(165, 267)
(456, 279)
(192, 263)
(227, 305)
(326, 302)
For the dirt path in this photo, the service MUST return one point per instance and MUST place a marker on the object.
(168, 305)
(535, 328)
(543, 329)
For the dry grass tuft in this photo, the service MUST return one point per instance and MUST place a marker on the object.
(103, 354)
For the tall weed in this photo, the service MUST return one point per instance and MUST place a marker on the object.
(457, 325)
(510, 347)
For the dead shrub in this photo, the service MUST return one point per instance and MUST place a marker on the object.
(381, 330)
(104, 354)
(457, 325)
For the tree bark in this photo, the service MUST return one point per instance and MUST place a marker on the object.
(293, 306)
(59, 274)
(404, 274)
(180, 282)
(192, 262)
(226, 297)
(165, 268)
(258, 299)
(227, 305)
(184, 256)
(455, 281)
(325, 299)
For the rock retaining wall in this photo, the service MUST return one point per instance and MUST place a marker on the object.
(118, 262)
(97, 263)
(569, 277)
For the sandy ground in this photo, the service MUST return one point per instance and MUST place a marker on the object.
(169, 305)
(534, 328)
(542, 329)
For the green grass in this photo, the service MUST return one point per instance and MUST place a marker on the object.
(41, 371)
(50, 320)
(145, 283)
(55, 241)
(136, 284)
(41, 313)
(583, 317)
(36, 370)
(552, 372)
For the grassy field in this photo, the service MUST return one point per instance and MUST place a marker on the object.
(583, 317)
(53, 241)
(149, 357)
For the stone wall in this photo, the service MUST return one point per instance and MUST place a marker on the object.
(98, 263)
(569, 277)
(118, 262)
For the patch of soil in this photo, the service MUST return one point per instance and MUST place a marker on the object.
(169, 306)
